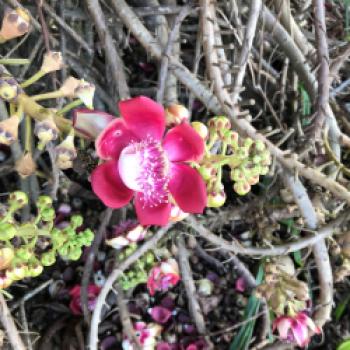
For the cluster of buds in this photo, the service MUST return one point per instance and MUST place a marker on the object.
(138, 273)
(342, 251)
(66, 152)
(21, 255)
(247, 159)
(283, 292)
(14, 24)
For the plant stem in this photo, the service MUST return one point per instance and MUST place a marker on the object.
(14, 61)
(70, 106)
(28, 135)
(38, 75)
(47, 95)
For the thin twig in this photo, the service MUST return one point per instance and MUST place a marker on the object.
(10, 326)
(114, 61)
(106, 217)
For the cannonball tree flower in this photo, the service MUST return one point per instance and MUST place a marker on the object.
(143, 163)
(163, 276)
(146, 334)
(297, 329)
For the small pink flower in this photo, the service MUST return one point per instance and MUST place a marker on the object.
(163, 276)
(160, 314)
(298, 329)
(140, 163)
(146, 333)
(75, 303)
(240, 284)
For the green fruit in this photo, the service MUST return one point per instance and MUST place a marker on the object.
(7, 231)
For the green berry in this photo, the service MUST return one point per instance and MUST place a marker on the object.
(17, 200)
(76, 221)
(44, 202)
(48, 259)
(7, 231)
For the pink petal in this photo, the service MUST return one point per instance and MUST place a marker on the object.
(188, 188)
(240, 284)
(144, 117)
(90, 122)
(283, 325)
(158, 215)
(113, 139)
(183, 143)
(160, 314)
(108, 186)
(300, 333)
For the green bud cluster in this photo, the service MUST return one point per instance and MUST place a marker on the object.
(248, 159)
(24, 258)
(138, 273)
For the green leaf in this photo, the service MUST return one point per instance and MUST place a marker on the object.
(344, 346)
(297, 258)
(339, 311)
(245, 334)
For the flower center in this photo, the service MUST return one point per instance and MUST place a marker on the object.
(144, 168)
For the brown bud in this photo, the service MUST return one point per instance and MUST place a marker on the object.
(66, 153)
(52, 62)
(26, 166)
(176, 114)
(46, 130)
(9, 89)
(9, 130)
(14, 24)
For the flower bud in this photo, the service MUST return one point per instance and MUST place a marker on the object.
(34, 270)
(216, 199)
(24, 253)
(241, 187)
(253, 180)
(66, 153)
(48, 259)
(9, 89)
(231, 138)
(86, 91)
(17, 200)
(14, 24)
(7, 231)
(219, 125)
(46, 131)
(205, 287)
(9, 130)
(82, 89)
(76, 221)
(52, 62)
(176, 114)
(48, 214)
(207, 171)
(6, 256)
(17, 272)
(25, 166)
(285, 264)
(237, 175)
(259, 146)
(201, 129)
(44, 202)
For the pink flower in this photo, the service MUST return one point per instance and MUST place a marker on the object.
(298, 329)
(160, 314)
(240, 284)
(75, 303)
(163, 276)
(140, 163)
(146, 333)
